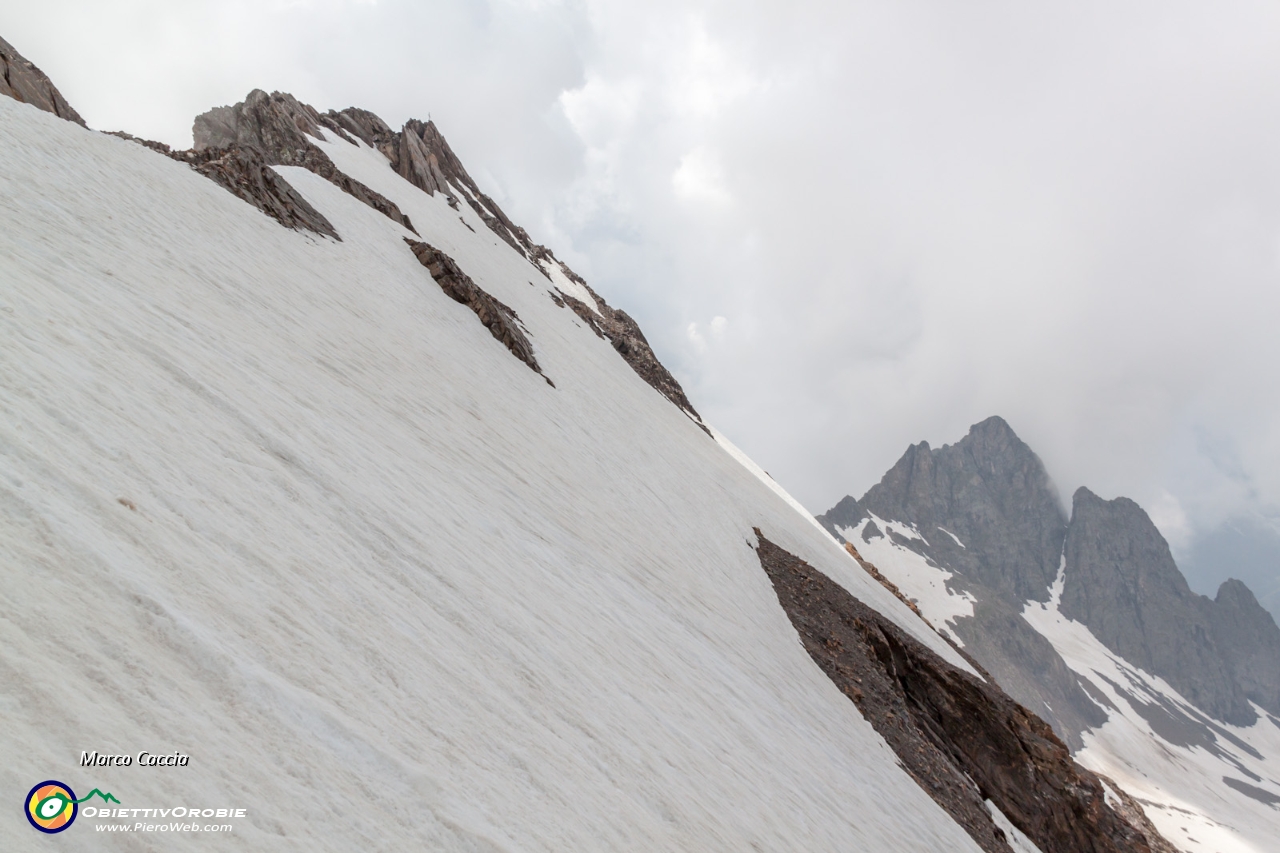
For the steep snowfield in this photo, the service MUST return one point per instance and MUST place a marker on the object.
(278, 503)
(1180, 785)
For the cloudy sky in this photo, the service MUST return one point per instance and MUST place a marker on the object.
(846, 226)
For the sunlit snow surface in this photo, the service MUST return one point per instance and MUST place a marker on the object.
(919, 579)
(277, 502)
(1181, 787)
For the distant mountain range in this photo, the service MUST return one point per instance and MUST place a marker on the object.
(1086, 619)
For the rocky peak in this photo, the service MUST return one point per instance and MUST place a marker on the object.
(278, 128)
(1122, 582)
(267, 122)
(23, 81)
(1249, 640)
(990, 491)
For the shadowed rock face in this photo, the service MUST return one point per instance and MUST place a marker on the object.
(277, 126)
(1122, 582)
(23, 81)
(962, 739)
(992, 492)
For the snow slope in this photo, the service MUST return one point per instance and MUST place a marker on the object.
(276, 502)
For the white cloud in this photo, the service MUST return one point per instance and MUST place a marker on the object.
(699, 178)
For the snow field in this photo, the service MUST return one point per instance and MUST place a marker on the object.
(918, 578)
(385, 586)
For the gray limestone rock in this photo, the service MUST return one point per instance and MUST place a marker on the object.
(23, 81)
(1029, 669)
(1249, 640)
(1122, 582)
(992, 492)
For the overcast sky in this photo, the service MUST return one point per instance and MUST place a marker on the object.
(846, 226)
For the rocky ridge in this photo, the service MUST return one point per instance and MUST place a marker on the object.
(236, 146)
(496, 316)
(962, 739)
(23, 81)
(1121, 581)
(617, 327)
(277, 127)
(990, 492)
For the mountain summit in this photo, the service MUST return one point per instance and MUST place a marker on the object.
(1086, 619)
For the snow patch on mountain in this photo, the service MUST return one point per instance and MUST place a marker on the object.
(919, 578)
(567, 285)
(1168, 755)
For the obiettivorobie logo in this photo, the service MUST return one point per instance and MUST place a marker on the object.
(52, 806)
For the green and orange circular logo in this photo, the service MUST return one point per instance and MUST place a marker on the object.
(51, 806)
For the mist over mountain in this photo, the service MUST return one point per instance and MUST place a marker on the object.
(1087, 619)
(1247, 548)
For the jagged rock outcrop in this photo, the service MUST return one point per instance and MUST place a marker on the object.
(962, 739)
(1249, 639)
(498, 317)
(422, 156)
(1122, 582)
(23, 81)
(277, 126)
(617, 327)
(990, 490)
(245, 173)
